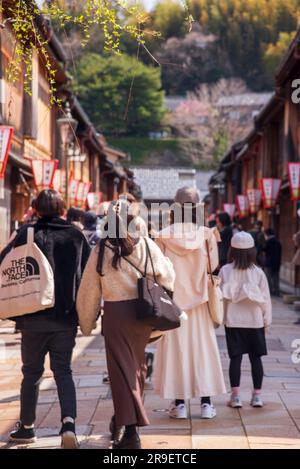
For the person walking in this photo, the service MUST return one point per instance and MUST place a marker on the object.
(187, 363)
(273, 252)
(223, 222)
(112, 272)
(52, 330)
(248, 312)
(259, 239)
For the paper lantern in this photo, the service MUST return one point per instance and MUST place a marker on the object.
(254, 199)
(86, 190)
(73, 188)
(270, 191)
(59, 181)
(242, 205)
(94, 200)
(230, 209)
(294, 178)
(6, 135)
(43, 173)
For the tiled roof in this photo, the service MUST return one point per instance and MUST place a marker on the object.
(162, 183)
(247, 99)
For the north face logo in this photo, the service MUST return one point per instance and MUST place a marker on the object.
(21, 269)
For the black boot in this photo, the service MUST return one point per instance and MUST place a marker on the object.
(116, 432)
(130, 442)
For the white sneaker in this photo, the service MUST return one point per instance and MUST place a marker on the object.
(177, 411)
(256, 401)
(208, 411)
(235, 402)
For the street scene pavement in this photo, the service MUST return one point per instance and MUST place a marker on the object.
(275, 426)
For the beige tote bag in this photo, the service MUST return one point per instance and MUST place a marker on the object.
(26, 280)
(215, 296)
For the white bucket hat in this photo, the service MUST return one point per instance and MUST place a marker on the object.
(242, 240)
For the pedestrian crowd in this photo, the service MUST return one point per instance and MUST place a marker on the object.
(195, 278)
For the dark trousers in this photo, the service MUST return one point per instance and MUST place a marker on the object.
(256, 370)
(34, 347)
(273, 279)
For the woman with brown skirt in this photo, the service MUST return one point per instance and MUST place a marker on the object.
(112, 273)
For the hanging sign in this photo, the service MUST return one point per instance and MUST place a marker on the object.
(294, 178)
(254, 199)
(6, 135)
(270, 191)
(73, 188)
(94, 200)
(230, 209)
(59, 181)
(242, 205)
(43, 173)
(86, 190)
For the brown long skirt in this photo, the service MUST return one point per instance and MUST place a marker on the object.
(125, 342)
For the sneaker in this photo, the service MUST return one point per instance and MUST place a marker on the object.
(235, 402)
(256, 401)
(177, 411)
(208, 411)
(68, 436)
(22, 434)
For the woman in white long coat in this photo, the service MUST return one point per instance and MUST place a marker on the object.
(187, 360)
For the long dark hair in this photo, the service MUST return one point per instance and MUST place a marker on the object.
(242, 259)
(122, 243)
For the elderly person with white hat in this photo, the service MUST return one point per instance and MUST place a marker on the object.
(187, 359)
(248, 311)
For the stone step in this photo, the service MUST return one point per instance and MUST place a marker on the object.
(297, 305)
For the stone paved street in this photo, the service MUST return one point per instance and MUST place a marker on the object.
(275, 426)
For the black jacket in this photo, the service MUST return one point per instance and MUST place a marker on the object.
(273, 252)
(67, 251)
(224, 246)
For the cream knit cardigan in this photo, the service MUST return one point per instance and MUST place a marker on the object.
(118, 285)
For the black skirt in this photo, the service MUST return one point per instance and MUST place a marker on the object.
(242, 340)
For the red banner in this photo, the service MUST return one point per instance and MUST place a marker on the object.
(230, 209)
(43, 173)
(243, 205)
(6, 135)
(294, 178)
(254, 198)
(270, 191)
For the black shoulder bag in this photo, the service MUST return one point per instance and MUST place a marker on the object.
(155, 307)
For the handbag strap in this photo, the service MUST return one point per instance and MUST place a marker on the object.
(209, 262)
(143, 274)
(151, 260)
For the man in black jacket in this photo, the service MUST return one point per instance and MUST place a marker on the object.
(273, 251)
(224, 226)
(52, 330)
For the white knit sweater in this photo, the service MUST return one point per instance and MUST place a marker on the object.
(118, 285)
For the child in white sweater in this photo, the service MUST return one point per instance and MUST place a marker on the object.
(248, 312)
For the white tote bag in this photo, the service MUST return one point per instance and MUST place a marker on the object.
(26, 280)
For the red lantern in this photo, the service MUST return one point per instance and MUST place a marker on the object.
(6, 135)
(59, 181)
(86, 190)
(73, 188)
(270, 191)
(294, 178)
(254, 199)
(230, 209)
(94, 200)
(43, 173)
(243, 205)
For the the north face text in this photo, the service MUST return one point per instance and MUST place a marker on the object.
(21, 269)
